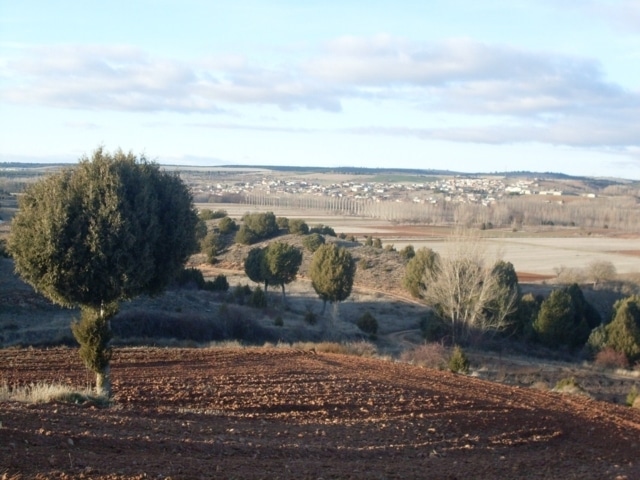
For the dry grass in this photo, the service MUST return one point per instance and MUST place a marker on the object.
(48, 392)
(432, 355)
(358, 349)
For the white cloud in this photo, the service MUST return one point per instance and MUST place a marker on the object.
(537, 96)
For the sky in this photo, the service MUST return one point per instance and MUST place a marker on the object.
(471, 86)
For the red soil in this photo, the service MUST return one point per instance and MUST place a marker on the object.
(271, 413)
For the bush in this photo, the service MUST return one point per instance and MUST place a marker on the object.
(278, 322)
(258, 298)
(433, 328)
(219, 284)
(311, 318)
(207, 214)
(363, 264)
(609, 358)
(283, 223)
(458, 362)
(227, 225)
(323, 230)
(313, 241)
(368, 324)
(210, 245)
(408, 252)
(246, 236)
(298, 227)
(190, 278)
(240, 292)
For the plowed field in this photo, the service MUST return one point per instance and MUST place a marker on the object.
(282, 413)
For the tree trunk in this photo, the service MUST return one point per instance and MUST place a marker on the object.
(103, 383)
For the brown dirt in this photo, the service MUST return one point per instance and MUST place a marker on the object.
(282, 413)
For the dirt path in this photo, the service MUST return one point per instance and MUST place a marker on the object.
(279, 413)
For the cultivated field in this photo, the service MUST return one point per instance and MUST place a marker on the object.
(286, 413)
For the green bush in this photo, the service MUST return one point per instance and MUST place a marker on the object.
(368, 323)
(190, 277)
(313, 241)
(258, 298)
(408, 252)
(298, 227)
(219, 284)
(623, 333)
(283, 223)
(227, 225)
(323, 230)
(433, 328)
(458, 362)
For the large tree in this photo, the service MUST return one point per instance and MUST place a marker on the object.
(332, 271)
(281, 263)
(254, 266)
(463, 289)
(109, 229)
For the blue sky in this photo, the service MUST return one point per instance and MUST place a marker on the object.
(540, 85)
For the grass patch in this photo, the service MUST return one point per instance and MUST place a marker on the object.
(35, 393)
(358, 349)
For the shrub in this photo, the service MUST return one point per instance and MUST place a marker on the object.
(609, 358)
(377, 243)
(408, 252)
(258, 298)
(389, 247)
(219, 284)
(283, 223)
(227, 225)
(571, 386)
(433, 328)
(311, 318)
(246, 236)
(313, 241)
(278, 322)
(298, 227)
(207, 214)
(458, 362)
(210, 245)
(190, 277)
(323, 229)
(368, 324)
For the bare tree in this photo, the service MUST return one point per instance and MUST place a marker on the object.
(463, 287)
(601, 271)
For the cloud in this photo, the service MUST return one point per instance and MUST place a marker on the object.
(125, 78)
(519, 95)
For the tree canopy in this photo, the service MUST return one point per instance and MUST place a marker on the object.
(109, 229)
(281, 263)
(332, 271)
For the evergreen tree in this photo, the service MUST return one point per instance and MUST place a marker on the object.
(110, 229)
(623, 333)
(555, 323)
(281, 262)
(254, 267)
(424, 260)
(332, 271)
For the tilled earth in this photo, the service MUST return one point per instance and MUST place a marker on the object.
(283, 413)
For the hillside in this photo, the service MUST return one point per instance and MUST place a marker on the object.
(283, 413)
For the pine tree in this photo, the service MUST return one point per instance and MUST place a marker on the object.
(332, 271)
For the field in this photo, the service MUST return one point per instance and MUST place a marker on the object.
(283, 412)
(286, 413)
